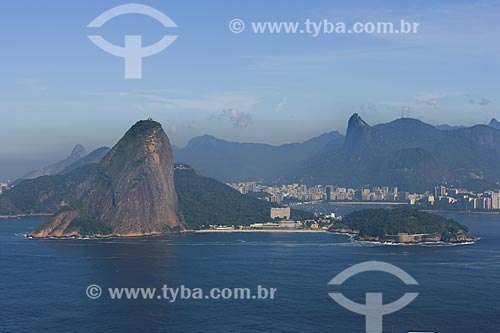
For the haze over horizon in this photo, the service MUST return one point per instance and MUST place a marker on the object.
(14, 171)
(58, 89)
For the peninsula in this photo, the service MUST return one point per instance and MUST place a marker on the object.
(405, 225)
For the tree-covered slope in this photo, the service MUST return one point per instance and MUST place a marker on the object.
(381, 223)
(47, 194)
(205, 201)
(201, 200)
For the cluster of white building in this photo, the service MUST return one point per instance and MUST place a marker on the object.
(278, 193)
(280, 220)
(319, 192)
(460, 199)
(4, 186)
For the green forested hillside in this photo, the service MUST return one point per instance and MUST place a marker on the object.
(47, 194)
(381, 222)
(205, 201)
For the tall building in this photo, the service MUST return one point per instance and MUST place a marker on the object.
(328, 191)
(3, 187)
(442, 191)
(495, 200)
(280, 213)
(395, 193)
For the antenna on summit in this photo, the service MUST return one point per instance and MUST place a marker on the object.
(405, 112)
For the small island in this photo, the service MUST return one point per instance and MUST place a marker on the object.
(403, 225)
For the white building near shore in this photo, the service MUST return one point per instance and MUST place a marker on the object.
(280, 213)
(3, 187)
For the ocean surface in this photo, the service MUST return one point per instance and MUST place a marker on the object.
(43, 282)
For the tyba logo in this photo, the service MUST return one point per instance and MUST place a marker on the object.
(373, 309)
(133, 51)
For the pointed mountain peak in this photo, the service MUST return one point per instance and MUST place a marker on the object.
(357, 121)
(79, 150)
(494, 123)
(358, 131)
(77, 153)
(143, 127)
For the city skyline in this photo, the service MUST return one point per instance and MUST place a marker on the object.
(441, 197)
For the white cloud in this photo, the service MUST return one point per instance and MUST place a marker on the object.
(205, 102)
(481, 101)
(425, 100)
(238, 118)
(281, 104)
(434, 99)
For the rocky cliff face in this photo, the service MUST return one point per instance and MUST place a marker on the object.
(358, 131)
(133, 192)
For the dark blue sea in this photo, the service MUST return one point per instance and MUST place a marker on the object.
(43, 282)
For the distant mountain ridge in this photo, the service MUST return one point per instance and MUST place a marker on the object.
(232, 161)
(94, 156)
(446, 127)
(76, 159)
(78, 152)
(407, 153)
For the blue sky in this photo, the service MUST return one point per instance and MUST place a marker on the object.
(58, 89)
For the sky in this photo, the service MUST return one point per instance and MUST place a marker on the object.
(58, 89)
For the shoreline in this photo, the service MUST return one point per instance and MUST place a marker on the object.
(464, 212)
(352, 239)
(94, 237)
(210, 231)
(392, 203)
(131, 236)
(440, 243)
(395, 203)
(24, 215)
